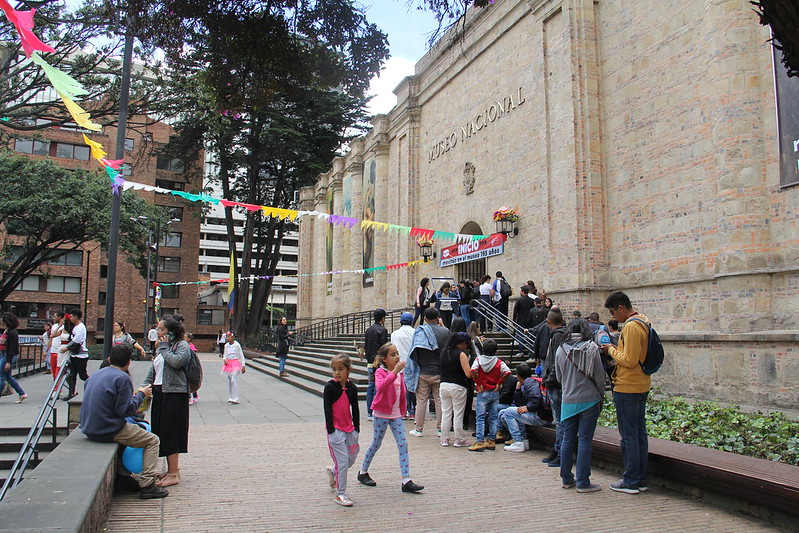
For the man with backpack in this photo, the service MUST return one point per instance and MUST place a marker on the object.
(631, 386)
(501, 292)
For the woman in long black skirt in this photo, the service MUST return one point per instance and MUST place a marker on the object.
(170, 408)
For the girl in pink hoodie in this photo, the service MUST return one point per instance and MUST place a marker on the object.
(388, 408)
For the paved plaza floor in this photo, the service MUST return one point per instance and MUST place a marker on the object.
(259, 466)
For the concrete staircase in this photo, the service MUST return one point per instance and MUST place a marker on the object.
(11, 441)
(308, 366)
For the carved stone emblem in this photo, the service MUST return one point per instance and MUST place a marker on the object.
(468, 178)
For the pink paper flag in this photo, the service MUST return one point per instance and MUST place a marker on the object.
(23, 21)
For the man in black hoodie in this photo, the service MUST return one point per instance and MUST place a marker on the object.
(556, 329)
(521, 315)
(375, 337)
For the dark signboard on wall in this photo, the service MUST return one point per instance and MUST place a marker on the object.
(787, 90)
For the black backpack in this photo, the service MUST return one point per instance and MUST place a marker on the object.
(505, 290)
(194, 372)
(654, 350)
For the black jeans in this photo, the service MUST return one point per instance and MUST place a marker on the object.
(77, 367)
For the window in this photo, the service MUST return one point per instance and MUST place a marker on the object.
(170, 291)
(169, 264)
(217, 253)
(176, 213)
(129, 143)
(168, 311)
(211, 317)
(31, 283)
(63, 284)
(127, 169)
(171, 240)
(101, 324)
(169, 184)
(103, 271)
(101, 298)
(72, 258)
(29, 146)
(165, 162)
(221, 222)
(72, 151)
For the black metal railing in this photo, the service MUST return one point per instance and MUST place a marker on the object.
(48, 413)
(504, 324)
(349, 324)
(30, 360)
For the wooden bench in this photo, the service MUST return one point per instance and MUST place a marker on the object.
(766, 484)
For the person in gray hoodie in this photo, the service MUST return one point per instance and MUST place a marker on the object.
(578, 367)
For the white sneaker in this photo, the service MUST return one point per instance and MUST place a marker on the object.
(234, 400)
(343, 499)
(526, 445)
(414, 433)
(516, 447)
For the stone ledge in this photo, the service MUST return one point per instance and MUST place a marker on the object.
(70, 490)
(715, 336)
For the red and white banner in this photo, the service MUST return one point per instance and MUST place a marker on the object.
(469, 251)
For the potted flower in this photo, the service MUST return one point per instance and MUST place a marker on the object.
(505, 219)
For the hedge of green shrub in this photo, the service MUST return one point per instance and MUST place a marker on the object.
(768, 436)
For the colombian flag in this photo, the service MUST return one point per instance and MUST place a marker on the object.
(231, 283)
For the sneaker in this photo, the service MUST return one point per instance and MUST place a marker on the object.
(554, 463)
(569, 485)
(462, 443)
(68, 397)
(526, 445)
(331, 478)
(415, 433)
(502, 438)
(490, 444)
(410, 486)
(516, 447)
(593, 487)
(366, 479)
(508, 442)
(642, 488)
(370, 418)
(234, 400)
(153, 491)
(342, 499)
(552, 456)
(444, 442)
(619, 486)
(477, 446)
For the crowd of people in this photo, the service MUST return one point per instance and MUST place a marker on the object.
(446, 361)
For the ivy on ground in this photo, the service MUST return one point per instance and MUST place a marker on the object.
(709, 424)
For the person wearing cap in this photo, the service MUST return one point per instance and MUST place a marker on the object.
(402, 338)
(455, 373)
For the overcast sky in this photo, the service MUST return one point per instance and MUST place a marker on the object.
(408, 32)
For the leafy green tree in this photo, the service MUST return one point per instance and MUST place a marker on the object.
(47, 211)
(272, 89)
(88, 41)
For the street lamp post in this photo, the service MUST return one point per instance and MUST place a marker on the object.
(116, 196)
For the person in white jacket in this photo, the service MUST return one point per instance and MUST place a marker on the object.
(234, 364)
(402, 339)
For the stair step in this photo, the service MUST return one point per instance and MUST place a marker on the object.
(310, 384)
(316, 368)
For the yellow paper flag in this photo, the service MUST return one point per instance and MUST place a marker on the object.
(80, 115)
(96, 148)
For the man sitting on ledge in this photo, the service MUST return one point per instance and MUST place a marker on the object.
(108, 400)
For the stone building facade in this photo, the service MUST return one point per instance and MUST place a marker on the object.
(638, 142)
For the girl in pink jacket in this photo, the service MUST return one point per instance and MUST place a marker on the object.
(388, 409)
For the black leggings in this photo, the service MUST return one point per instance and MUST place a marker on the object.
(77, 367)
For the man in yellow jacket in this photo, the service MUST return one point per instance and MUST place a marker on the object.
(630, 390)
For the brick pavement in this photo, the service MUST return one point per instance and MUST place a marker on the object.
(259, 466)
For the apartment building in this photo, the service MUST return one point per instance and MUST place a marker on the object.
(79, 278)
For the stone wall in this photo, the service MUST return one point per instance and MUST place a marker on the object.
(638, 143)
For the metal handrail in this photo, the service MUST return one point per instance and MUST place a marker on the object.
(29, 447)
(524, 338)
(349, 324)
